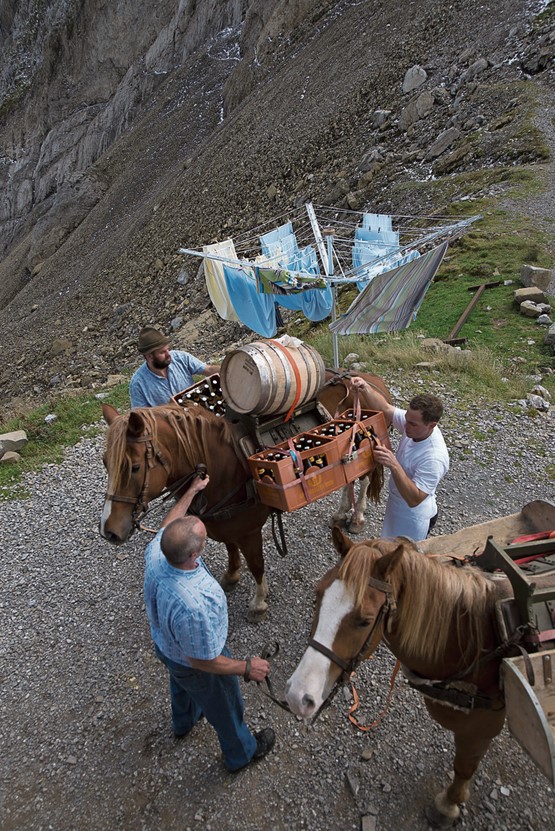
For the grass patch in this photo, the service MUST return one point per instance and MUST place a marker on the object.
(77, 416)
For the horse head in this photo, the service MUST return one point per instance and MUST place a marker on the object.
(137, 470)
(352, 601)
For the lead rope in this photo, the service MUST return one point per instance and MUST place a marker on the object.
(366, 727)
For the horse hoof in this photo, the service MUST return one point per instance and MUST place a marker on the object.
(356, 527)
(436, 818)
(256, 615)
(228, 585)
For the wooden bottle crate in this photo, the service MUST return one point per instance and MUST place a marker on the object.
(291, 496)
(374, 419)
(206, 393)
(354, 440)
(361, 461)
(279, 482)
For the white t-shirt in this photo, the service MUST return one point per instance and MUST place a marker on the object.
(425, 462)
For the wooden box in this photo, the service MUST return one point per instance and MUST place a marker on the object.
(291, 496)
(277, 463)
(373, 421)
(278, 480)
(531, 707)
(356, 439)
(206, 393)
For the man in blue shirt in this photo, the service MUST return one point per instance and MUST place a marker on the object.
(187, 612)
(164, 372)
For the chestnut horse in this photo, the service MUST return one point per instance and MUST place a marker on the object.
(438, 620)
(151, 449)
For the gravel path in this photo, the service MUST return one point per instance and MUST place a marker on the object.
(85, 725)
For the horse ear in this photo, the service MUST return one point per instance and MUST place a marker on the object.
(386, 564)
(341, 541)
(110, 413)
(135, 424)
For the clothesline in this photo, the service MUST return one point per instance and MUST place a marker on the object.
(413, 233)
(298, 259)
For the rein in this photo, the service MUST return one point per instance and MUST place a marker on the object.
(368, 647)
(270, 652)
(388, 606)
(140, 503)
(141, 507)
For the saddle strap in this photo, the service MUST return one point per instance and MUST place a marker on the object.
(281, 543)
(451, 694)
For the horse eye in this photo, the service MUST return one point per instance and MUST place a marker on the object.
(135, 468)
(364, 621)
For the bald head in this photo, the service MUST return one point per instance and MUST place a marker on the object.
(182, 539)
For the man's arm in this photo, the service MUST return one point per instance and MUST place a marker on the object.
(211, 369)
(222, 665)
(412, 495)
(372, 399)
(182, 505)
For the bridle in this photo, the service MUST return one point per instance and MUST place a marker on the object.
(373, 638)
(153, 457)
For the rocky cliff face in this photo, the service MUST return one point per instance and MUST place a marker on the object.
(131, 128)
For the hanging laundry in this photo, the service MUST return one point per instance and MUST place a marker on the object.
(391, 300)
(255, 310)
(377, 222)
(315, 304)
(280, 281)
(215, 280)
(281, 243)
(367, 269)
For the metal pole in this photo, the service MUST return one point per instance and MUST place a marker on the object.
(329, 234)
(318, 237)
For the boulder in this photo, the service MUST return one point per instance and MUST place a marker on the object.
(381, 118)
(443, 142)
(549, 339)
(435, 345)
(14, 441)
(530, 309)
(10, 457)
(532, 276)
(533, 294)
(537, 402)
(474, 70)
(414, 78)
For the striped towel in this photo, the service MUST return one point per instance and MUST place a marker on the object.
(391, 300)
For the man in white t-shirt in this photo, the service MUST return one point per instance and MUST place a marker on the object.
(417, 466)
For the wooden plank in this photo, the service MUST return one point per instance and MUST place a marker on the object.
(531, 709)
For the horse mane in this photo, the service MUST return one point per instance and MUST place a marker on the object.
(199, 434)
(432, 598)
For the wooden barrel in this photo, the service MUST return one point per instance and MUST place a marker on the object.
(265, 377)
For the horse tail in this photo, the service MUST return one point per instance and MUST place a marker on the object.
(375, 484)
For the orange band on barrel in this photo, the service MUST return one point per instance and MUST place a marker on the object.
(295, 373)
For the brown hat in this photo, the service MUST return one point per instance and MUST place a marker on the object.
(151, 339)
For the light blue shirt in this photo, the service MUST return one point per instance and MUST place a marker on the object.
(187, 610)
(147, 389)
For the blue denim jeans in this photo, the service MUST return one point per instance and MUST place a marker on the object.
(195, 692)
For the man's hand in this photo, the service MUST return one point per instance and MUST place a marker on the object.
(384, 456)
(182, 505)
(198, 484)
(259, 669)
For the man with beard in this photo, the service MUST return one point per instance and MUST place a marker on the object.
(165, 372)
